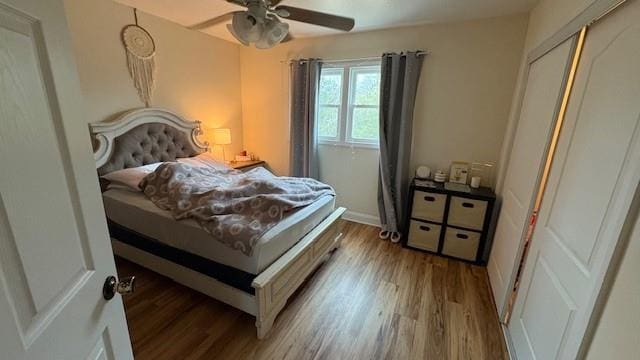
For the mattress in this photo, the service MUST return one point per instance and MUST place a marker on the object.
(134, 211)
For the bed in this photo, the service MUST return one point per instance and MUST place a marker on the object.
(259, 283)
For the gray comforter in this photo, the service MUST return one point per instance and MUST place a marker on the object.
(235, 208)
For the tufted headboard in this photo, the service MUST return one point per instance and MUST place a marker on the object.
(144, 136)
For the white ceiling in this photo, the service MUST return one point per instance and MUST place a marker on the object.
(369, 14)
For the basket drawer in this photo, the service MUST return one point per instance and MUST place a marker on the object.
(461, 244)
(428, 206)
(424, 236)
(467, 213)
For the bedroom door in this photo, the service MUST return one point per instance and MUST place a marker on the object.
(545, 84)
(55, 252)
(590, 189)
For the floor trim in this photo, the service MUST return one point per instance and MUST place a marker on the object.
(361, 218)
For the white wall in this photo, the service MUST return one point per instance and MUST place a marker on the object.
(353, 172)
(549, 16)
(617, 334)
(198, 75)
(461, 109)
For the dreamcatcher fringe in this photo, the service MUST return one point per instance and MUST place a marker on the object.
(142, 71)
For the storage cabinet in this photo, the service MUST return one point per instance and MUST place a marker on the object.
(450, 223)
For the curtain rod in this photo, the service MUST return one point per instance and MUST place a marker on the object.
(369, 58)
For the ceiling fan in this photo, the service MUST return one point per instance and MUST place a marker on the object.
(260, 24)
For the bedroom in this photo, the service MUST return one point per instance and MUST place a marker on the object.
(497, 83)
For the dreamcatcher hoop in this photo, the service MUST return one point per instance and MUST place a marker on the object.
(141, 50)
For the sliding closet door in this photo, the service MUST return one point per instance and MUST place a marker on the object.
(545, 85)
(592, 182)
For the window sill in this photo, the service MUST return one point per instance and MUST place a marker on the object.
(350, 144)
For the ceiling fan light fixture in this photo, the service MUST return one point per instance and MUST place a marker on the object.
(260, 23)
(274, 32)
(245, 28)
(236, 35)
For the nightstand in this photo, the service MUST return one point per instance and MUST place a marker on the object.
(246, 165)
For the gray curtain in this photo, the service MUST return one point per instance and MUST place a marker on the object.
(399, 83)
(305, 77)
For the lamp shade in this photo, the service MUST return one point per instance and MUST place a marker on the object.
(274, 32)
(222, 136)
(245, 27)
(240, 38)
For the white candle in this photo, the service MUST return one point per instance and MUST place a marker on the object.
(475, 182)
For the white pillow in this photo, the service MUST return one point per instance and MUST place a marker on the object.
(204, 160)
(129, 178)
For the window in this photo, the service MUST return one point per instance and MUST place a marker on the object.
(329, 104)
(348, 104)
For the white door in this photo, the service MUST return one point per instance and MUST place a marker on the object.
(545, 85)
(591, 185)
(54, 249)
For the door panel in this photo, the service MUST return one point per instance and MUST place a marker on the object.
(102, 349)
(29, 115)
(54, 247)
(545, 84)
(547, 313)
(594, 176)
(587, 167)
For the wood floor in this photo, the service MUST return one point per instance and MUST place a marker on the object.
(370, 300)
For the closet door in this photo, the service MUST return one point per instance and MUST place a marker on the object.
(545, 85)
(592, 182)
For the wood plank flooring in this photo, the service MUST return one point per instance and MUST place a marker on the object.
(370, 300)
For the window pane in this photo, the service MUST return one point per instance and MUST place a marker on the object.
(367, 91)
(330, 87)
(365, 124)
(328, 121)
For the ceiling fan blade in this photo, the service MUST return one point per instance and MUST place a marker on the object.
(274, 2)
(214, 21)
(318, 18)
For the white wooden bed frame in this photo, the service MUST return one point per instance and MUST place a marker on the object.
(274, 285)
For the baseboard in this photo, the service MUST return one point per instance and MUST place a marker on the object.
(361, 218)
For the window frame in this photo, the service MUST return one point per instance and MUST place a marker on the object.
(335, 139)
(346, 107)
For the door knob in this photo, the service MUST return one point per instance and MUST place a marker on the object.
(123, 287)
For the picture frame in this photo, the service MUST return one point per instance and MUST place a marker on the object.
(459, 172)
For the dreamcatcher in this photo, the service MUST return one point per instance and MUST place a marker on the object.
(141, 51)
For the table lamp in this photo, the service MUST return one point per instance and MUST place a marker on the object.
(222, 137)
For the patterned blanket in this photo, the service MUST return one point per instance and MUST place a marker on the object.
(236, 208)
